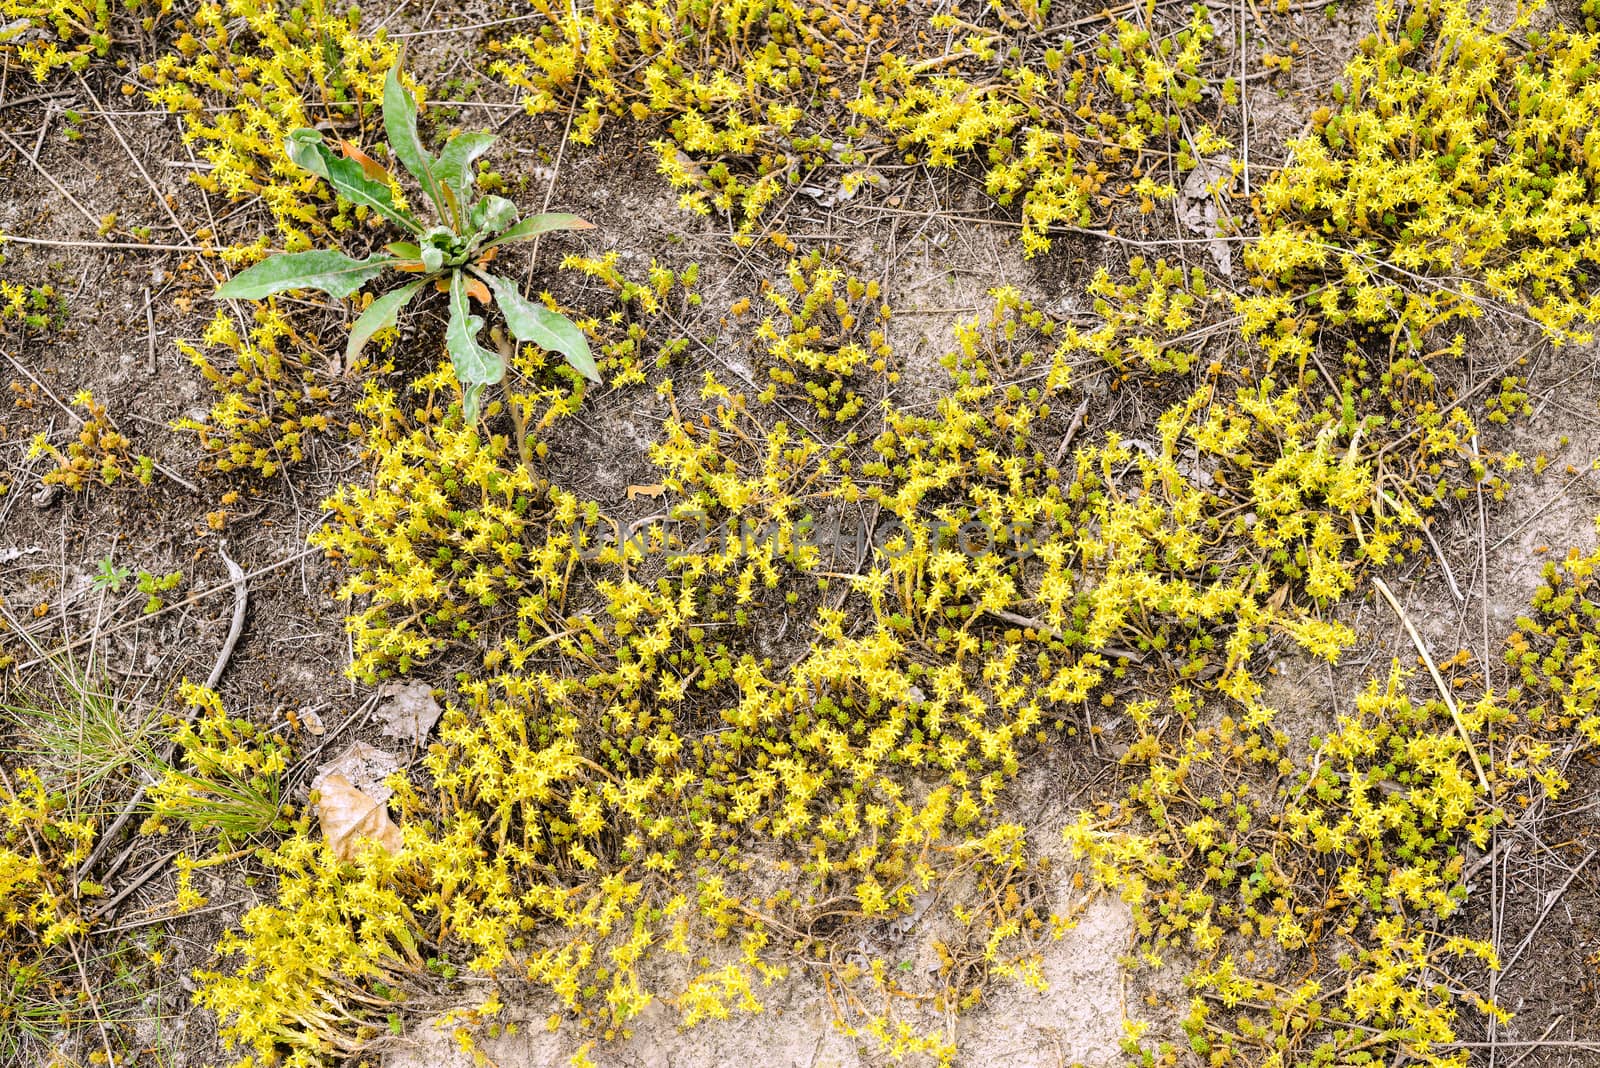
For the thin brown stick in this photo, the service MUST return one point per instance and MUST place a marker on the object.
(1076, 424)
(1549, 903)
(106, 246)
(1532, 1049)
(149, 333)
(57, 186)
(1444, 565)
(188, 602)
(36, 98)
(555, 174)
(147, 873)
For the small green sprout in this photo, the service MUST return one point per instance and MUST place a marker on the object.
(110, 576)
(454, 254)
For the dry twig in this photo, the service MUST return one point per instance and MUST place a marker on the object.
(1438, 681)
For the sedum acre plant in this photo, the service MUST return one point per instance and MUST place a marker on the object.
(454, 254)
(626, 781)
(641, 790)
(241, 75)
(42, 912)
(1457, 164)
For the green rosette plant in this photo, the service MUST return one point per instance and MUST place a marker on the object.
(454, 254)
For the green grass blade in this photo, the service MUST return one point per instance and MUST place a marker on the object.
(535, 225)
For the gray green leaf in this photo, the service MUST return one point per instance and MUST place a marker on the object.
(381, 314)
(400, 126)
(438, 245)
(307, 150)
(493, 214)
(476, 367)
(534, 323)
(454, 166)
(332, 272)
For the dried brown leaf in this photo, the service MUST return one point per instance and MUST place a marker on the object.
(363, 766)
(350, 818)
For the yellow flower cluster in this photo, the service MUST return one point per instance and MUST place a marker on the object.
(1145, 318)
(35, 308)
(774, 702)
(42, 910)
(729, 82)
(275, 391)
(99, 454)
(1348, 857)
(745, 125)
(1052, 128)
(829, 325)
(54, 35)
(243, 73)
(1556, 647)
(228, 780)
(624, 743)
(1457, 166)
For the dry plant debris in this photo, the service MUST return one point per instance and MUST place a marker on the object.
(409, 710)
(351, 819)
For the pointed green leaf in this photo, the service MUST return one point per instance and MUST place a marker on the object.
(380, 315)
(332, 272)
(406, 250)
(535, 225)
(400, 124)
(306, 149)
(476, 367)
(534, 323)
(454, 166)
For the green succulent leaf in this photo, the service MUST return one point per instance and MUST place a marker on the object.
(438, 246)
(534, 323)
(534, 225)
(381, 314)
(476, 367)
(307, 151)
(454, 166)
(332, 272)
(400, 126)
(493, 214)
